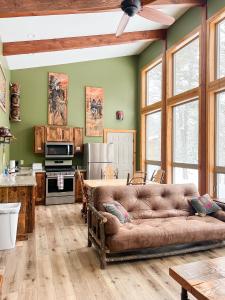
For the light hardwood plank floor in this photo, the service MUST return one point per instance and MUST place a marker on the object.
(55, 263)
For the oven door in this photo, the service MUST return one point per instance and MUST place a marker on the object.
(52, 187)
(59, 150)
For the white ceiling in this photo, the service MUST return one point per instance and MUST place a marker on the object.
(59, 26)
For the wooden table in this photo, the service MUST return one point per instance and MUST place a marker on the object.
(92, 184)
(205, 280)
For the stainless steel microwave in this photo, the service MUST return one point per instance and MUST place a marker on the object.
(59, 150)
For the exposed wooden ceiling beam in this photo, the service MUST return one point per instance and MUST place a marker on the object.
(37, 46)
(19, 8)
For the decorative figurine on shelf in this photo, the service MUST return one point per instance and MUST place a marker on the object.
(15, 102)
(120, 115)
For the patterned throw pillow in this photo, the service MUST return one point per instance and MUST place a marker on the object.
(116, 209)
(204, 205)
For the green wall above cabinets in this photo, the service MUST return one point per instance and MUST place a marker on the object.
(4, 116)
(117, 76)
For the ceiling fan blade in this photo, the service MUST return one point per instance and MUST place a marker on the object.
(156, 16)
(122, 25)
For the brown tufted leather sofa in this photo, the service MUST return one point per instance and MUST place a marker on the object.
(161, 216)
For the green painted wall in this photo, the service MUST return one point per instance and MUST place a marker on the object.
(118, 78)
(184, 25)
(4, 116)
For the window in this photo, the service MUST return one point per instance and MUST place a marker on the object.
(221, 49)
(153, 142)
(154, 84)
(185, 142)
(220, 144)
(186, 68)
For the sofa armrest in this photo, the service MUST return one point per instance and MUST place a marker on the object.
(220, 215)
(112, 225)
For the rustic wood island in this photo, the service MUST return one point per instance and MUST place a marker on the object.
(17, 188)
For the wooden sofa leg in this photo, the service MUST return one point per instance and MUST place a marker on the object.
(102, 261)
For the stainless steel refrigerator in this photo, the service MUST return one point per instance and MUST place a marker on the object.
(96, 157)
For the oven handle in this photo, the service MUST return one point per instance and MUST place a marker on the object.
(53, 177)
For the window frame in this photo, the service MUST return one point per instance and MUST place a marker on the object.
(174, 100)
(153, 162)
(183, 165)
(214, 87)
(148, 109)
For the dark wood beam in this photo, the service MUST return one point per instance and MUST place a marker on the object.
(27, 47)
(19, 8)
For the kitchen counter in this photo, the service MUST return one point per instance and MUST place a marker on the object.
(17, 180)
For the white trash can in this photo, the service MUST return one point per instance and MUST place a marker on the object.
(8, 224)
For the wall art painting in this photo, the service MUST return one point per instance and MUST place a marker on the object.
(57, 98)
(2, 90)
(94, 111)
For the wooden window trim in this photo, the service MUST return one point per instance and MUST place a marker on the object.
(174, 100)
(174, 164)
(145, 161)
(145, 110)
(187, 39)
(214, 86)
(211, 44)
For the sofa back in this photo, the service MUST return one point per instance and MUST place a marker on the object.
(149, 201)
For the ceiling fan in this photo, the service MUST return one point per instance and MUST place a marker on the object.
(134, 7)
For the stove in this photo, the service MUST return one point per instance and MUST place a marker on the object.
(58, 171)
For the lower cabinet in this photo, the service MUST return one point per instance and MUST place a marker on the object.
(40, 188)
(26, 196)
(78, 190)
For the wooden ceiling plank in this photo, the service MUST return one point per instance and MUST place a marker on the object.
(61, 44)
(20, 8)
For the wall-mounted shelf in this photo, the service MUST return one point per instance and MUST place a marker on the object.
(5, 140)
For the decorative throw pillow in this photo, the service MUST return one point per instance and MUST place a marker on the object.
(116, 209)
(204, 205)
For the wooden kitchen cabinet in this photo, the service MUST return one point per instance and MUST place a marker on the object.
(78, 139)
(45, 134)
(53, 134)
(40, 188)
(26, 196)
(39, 139)
(66, 134)
(78, 191)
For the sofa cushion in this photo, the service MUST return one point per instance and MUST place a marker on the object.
(116, 209)
(153, 200)
(151, 233)
(204, 205)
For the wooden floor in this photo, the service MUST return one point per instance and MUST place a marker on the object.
(56, 264)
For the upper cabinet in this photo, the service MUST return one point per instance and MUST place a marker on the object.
(45, 134)
(53, 134)
(78, 139)
(67, 134)
(39, 139)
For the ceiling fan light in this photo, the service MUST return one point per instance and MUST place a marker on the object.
(131, 7)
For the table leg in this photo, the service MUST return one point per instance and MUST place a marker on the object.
(184, 294)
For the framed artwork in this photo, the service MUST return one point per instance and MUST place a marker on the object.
(94, 111)
(2, 90)
(57, 98)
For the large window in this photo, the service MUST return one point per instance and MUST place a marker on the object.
(154, 84)
(221, 49)
(186, 68)
(151, 117)
(153, 142)
(185, 142)
(220, 144)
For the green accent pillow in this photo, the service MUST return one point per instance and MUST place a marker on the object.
(204, 205)
(116, 209)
